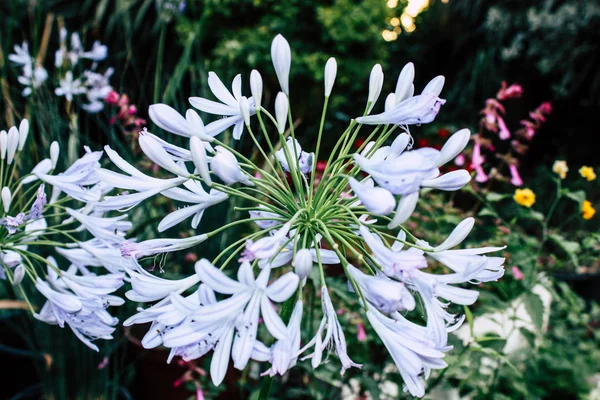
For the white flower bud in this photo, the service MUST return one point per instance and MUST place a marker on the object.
(245, 109)
(281, 111)
(435, 86)
(199, 158)
(303, 263)
(13, 143)
(23, 132)
(450, 181)
(330, 73)
(256, 88)
(54, 152)
(281, 54)
(18, 275)
(375, 84)
(3, 144)
(6, 198)
(404, 86)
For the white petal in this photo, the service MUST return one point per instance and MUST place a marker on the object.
(199, 158)
(220, 360)
(169, 119)
(455, 144)
(273, 322)
(375, 84)
(435, 86)
(283, 288)
(256, 87)
(450, 181)
(457, 236)
(216, 279)
(212, 107)
(220, 91)
(406, 206)
(405, 81)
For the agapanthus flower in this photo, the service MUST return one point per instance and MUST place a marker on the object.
(300, 227)
(78, 296)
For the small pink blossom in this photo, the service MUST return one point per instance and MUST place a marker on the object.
(362, 335)
(504, 132)
(477, 161)
(460, 160)
(515, 177)
(513, 91)
(517, 273)
(132, 110)
(103, 363)
(112, 97)
(199, 394)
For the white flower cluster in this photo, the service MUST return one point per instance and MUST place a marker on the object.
(67, 61)
(31, 221)
(301, 225)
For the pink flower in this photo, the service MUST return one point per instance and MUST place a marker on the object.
(460, 160)
(504, 132)
(477, 161)
(515, 177)
(529, 129)
(103, 363)
(513, 91)
(112, 97)
(362, 335)
(545, 108)
(132, 110)
(199, 394)
(517, 273)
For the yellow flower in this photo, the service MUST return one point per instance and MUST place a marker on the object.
(587, 210)
(588, 173)
(524, 197)
(560, 167)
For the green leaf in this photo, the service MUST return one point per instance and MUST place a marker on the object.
(487, 211)
(469, 316)
(578, 196)
(568, 246)
(493, 196)
(535, 309)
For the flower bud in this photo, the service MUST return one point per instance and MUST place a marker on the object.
(375, 199)
(404, 86)
(330, 73)
(281, 111)
(303, 263)
(54, 152)
(12, 144)
(457, 236)
(18, 275)
(281, 55)
(405, 208)
(3, 144)
(256, 88)
(6, 198)
(390, 102)
(225, 166)
(23, 132)
(375, 84)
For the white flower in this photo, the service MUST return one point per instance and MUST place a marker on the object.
(281, 54)
(256, 87)
(229, 106)
(98, 52)
(266, 247)
(194, 195)
(419, 109)
(69, 87)
(305, 160)
(412, 352)
(199, 158)
(284, 353)
(376, 200)
(170, 120)
(382, 292)
(152, 247)
(334, 337)
(327, 257)
(6, 198)
(225, 166)
(404, 87)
